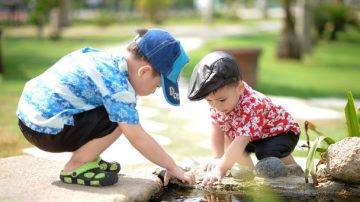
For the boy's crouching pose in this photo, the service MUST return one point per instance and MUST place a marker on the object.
(86, 100)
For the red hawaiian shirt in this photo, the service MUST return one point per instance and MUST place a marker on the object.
(255, 115)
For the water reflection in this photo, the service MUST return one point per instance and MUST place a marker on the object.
(263, 195)
(186, 195)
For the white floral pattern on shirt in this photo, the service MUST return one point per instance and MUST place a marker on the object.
(80, 81)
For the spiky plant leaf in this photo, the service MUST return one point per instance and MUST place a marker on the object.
(352, 121)
(310, 168)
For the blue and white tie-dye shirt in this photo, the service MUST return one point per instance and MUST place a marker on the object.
(80, 81)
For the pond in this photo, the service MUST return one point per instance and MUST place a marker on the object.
(289, 188)
(192, 195)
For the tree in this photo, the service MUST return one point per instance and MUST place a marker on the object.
(263, 5)
(55, 11)
(305, 24)
(64, 13)
(155, 9)
(289, 46)
(333, 17)
(40, 14)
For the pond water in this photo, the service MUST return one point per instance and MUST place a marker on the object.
(192, 195)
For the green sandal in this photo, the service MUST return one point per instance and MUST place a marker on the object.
(113, 167)
(89, 174)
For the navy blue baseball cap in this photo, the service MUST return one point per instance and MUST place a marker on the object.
(167, 56)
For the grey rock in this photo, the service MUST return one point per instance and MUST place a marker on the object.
(343, 160)
(295, 169)
(242, 172)
(28, 178)
(322, 173)
(271, 167)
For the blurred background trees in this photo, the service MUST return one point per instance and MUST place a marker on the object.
(304, 21)
(155, 10)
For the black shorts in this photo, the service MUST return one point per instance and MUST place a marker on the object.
(279, 146)
(88, 125)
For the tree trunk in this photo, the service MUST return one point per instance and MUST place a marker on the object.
(305, 24)
(64, 13)
(55, 28)
(262, 5)
(209, 16)
(289, 46)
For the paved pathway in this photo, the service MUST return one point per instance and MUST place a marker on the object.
(193, 36)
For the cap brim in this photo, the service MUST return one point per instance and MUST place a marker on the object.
(171, 91)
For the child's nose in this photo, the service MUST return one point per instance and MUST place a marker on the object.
(217, 106)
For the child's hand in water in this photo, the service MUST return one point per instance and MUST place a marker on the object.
(214, 175)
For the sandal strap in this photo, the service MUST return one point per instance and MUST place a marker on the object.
(108, 166)
(89, 174)
(84, 168)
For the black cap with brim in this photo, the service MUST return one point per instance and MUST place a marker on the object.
(214, 71)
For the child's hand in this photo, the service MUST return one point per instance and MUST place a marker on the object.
(216, 174)
(180, 174)
(211, 165)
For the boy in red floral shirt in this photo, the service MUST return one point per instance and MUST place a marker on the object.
(247, 118)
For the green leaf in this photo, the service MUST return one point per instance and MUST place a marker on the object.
(312, 152)
(351, 117)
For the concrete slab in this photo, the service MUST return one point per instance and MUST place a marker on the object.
(29, 178)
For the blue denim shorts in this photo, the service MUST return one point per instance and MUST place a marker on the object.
(87, 126)
(279, 146)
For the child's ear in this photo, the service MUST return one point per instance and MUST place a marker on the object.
(143, 70)
(241, 86)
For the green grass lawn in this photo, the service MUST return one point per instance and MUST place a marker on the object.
(331, 70)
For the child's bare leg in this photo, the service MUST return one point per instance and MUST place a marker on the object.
(91, 150)
(288, 160)
(245, 160)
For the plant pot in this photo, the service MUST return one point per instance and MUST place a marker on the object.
(248, 60)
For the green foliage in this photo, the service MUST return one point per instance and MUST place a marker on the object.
(104, 18)
(352, 121)
(182, 3)
(333, 18)
(41, 10)
(155, 9)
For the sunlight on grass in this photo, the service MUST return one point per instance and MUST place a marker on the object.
(11, 140)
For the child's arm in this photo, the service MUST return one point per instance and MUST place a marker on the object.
(217, 140)
(235, 151)
(148, 147)
(217, 145)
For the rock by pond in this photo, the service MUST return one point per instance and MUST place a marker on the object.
(343, 160)
(271, 167)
